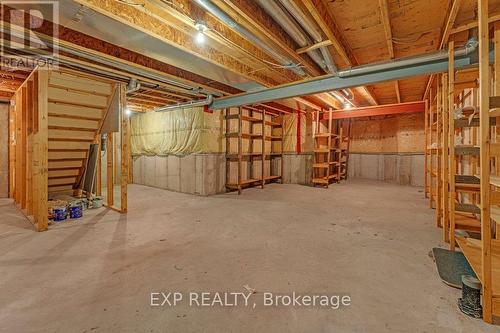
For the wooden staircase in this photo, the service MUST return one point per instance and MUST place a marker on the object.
(77, 107)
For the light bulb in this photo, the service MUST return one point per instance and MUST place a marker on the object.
(200, 37)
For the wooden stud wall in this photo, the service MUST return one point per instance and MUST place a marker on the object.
(29, 148)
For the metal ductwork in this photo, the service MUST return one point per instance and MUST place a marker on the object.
(221, 15)
(193, 104)
(311, 29)
(465, 51)
(133, 86)
(398, 69)
(63, 48)
(292, 28)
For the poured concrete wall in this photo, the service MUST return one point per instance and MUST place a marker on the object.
(205, 174)
(200, 174)
(298, 169)
(403, 169)
(4, 150)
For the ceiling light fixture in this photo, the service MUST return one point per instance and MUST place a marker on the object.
(201, 27)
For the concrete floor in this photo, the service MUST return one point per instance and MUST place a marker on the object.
(367, 239)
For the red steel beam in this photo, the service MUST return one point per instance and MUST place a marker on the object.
(379, 110)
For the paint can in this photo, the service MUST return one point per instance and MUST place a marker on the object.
(59, 214)
(97, 202)
(75, 211)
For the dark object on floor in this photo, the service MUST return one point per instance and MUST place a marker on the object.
(451, 266)
(470, 303)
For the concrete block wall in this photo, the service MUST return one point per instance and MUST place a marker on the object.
(402, 169)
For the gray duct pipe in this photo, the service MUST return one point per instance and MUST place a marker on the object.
(370, 74)
(468, 49)
(311, 29)
(292, 28)
(221, 15)
(133, 86)
(206, 102)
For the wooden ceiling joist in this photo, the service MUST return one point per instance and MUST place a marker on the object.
(386, 21)
(445, 36)
(324, 20)
(93, 45)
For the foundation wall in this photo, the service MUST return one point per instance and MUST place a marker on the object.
(205, 174)
(402, 169)
(389, 149)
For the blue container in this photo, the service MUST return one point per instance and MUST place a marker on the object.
(59, 214)
(75, 211)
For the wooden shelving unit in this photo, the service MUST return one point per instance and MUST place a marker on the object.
(469, 151)
(330, 155)
(257, 134)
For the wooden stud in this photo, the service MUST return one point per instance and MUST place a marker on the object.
(451, 131)
(125, 149)
(484, 129)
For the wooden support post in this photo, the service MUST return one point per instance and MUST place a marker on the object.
(228, 146)
(263, 156)
(451, 129)
(428, 153)
(109, 169)
(28, 101)
(439, 162)
(427, 173)
(445, 156)
(484, 130)
(125, 149)
(496, 92)
(329, 154)
(240, 147)
(42, 140)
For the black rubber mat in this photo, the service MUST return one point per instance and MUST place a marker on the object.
(451, 265)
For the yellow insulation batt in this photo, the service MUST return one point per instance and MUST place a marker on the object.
(190, 130)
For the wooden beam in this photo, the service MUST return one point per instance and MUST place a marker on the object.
(386, 21)
(257, 21)
(41, 163)
(484, 130)
(473, 24)
(137, 18)
(104, 49)
(446, 31)
(125, 149)
(320, 13)
(452, 16)
(313, 47)
(380, 110)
